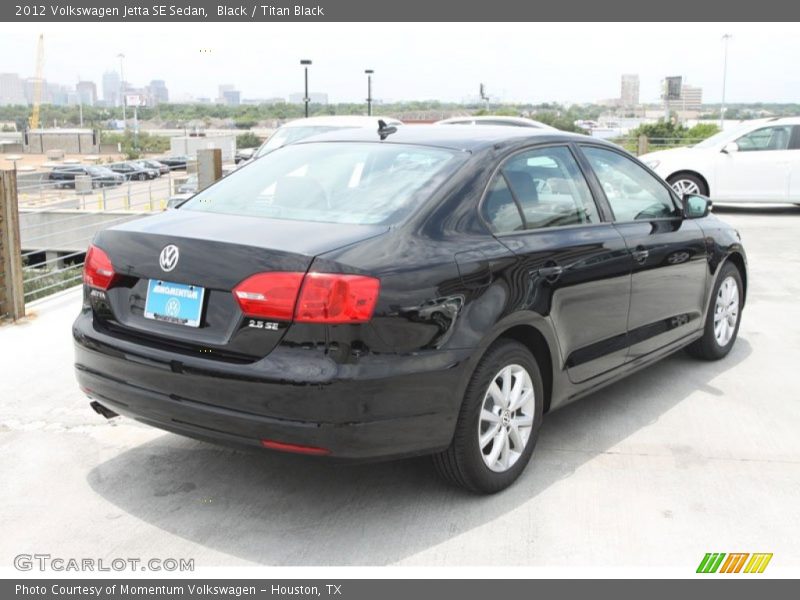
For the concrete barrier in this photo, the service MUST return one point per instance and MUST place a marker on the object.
(66, 230)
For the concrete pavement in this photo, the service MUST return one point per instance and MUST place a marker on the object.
(681, 459)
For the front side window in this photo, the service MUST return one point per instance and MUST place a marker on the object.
(335, 182)
(766, 138)
(632, 192)
(538, 189)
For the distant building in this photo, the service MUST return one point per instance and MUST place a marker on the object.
(315, 97)
(56, 94)
(228, 94)
(30, 90)
(231, 98)
(629, 91)
(111, 88)
(690, 100)
(12, 89)
(87, 93)
(159, 94)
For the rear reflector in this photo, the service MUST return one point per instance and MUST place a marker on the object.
(296, 448)
(309, 298)
(97, 269)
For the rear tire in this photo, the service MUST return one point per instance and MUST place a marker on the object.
(498, 424)
(723, 318)
(687, 183)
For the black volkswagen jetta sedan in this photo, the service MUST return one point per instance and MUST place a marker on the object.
(433, 290)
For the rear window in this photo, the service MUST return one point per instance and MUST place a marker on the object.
(335, 182)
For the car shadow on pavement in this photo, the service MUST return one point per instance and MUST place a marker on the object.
(284, 510)
(756, 209)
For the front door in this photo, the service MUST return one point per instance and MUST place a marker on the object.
(758, 170)
(669, 256)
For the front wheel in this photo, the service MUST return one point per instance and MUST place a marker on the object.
(723, 318)
(499, 421)
(686, 183)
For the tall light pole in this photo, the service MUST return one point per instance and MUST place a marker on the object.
(725, 39)
(121, 58)
(369, 73)
(306, 63)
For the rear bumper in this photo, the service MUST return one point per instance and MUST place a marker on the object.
(381, 407)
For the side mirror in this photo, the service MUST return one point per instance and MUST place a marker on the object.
(695, 206)
(730, 148)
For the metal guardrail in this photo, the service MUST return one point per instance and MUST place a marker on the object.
(43, 245)
(637, 146)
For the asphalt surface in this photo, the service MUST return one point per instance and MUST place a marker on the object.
(678, 460)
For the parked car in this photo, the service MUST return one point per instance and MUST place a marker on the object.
(758, 161)
(244, 154)
(149, 163)
(177, 199)
(434, 292)
(189, 186)
(495, 120)
(133, 170)
(299, 129)
(174, 162)
(64, 176)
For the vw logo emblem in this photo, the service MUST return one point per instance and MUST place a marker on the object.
(173, 307)
(169, 257)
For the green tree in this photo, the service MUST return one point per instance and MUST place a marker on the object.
(248, 140)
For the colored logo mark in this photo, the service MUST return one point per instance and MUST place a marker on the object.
(735, 562)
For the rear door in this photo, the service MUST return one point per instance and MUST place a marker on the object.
(670, 266)
(574, 268)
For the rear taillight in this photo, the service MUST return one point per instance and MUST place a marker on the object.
(311, 298)
(97, 269)
(332, 298)
(269, 295)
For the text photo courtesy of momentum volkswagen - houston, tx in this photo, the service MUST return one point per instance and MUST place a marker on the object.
(295, 300)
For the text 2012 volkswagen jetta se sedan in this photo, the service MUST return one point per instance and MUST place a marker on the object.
(429, 290)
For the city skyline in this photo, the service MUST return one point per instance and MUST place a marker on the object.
(262, 59)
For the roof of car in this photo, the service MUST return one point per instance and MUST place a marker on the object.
(514, 121)
(340, 121)
(455, 137)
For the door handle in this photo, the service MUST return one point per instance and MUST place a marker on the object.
(551, 273)
(640, 254)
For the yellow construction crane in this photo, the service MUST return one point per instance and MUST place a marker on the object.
(37, 84)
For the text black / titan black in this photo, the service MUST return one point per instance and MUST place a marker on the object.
(434, 292)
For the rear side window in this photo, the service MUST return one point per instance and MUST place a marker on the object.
(633, 193)
(538, 189)
(334, 182)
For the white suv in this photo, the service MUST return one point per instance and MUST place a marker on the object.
(759, 161)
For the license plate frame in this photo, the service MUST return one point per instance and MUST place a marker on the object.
(177, 303)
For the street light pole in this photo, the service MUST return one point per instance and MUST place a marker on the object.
(369, 73)
(306, 63)
(725, 39)
(121, 58)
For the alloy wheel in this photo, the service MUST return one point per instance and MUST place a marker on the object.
(685, 186)
(506, 418)
(726, 311)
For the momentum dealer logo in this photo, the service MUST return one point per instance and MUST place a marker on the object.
(713, 562)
